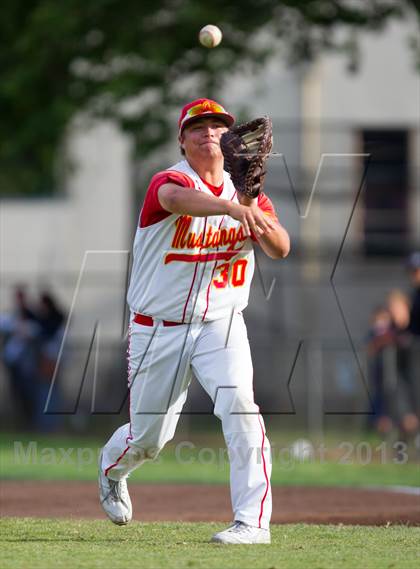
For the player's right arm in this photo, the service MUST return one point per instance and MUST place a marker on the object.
(175, 199)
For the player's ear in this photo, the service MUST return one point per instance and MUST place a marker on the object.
(181, 142)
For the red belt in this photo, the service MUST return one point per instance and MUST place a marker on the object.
(148, 320)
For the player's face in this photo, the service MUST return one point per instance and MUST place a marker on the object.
(415, 277)
(202, 138)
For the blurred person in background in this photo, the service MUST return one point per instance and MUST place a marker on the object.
(379, 338)
(414, 268)
(390, 371)
(32, 335)
(19, 332)
(51, 320)
(405, 397)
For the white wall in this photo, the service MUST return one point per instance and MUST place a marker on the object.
(42, 240)
(385, 92)
(386, 89)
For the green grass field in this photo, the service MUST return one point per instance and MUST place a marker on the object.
(40, 543)
(72, 458)
(31, 543)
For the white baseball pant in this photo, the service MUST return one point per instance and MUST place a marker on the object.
(161, 362)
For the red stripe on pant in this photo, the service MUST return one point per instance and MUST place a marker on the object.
(130, 436)
(265, 473)
(117, 461)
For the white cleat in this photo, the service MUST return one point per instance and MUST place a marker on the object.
(114, 498)
(240, 533)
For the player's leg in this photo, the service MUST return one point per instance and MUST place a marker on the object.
(159, 375)
(222, 363)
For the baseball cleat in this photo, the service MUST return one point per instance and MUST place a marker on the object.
(240, 533)
(114, 498)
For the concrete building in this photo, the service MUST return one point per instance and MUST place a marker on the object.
(327, 119)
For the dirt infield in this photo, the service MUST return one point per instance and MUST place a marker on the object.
(163, 502)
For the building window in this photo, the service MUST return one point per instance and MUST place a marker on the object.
(386, 193)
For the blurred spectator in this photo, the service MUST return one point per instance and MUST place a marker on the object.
(414, 267)
(379, 338)
(19, 332)
(51, 321)
(405, 397)
(391, 378)
(32, 342)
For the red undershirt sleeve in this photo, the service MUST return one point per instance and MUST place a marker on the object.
(266, 205)
(152, 212)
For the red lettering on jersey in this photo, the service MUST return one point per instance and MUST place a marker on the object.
(223, 236)
(214, 237)
(182, 226)
(209, 234)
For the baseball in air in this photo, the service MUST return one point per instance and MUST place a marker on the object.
(210, 36)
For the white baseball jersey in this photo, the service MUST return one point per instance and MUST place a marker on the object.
(190, 269)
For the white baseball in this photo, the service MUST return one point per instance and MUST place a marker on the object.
(210, 36)
(302, 450)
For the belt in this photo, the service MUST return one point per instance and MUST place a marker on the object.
(145, 320)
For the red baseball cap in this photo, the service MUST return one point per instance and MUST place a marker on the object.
(203, 108)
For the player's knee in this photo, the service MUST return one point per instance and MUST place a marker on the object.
(237, 411)
(145, 448)
(233, 400)
(152, 452)
(138, 455)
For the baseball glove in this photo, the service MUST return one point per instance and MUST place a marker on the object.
(245, 149)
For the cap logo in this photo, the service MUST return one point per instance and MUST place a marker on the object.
(203, 108)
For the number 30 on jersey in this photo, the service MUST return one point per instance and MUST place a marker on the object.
(233, 273)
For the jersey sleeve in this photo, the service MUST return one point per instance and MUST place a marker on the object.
(266, 205)
(152, 212)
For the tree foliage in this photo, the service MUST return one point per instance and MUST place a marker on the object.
(133, 60)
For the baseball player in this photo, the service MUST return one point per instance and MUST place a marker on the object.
(192, 270)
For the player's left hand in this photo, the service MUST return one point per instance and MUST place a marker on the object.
(251, 217)
(260, 228)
